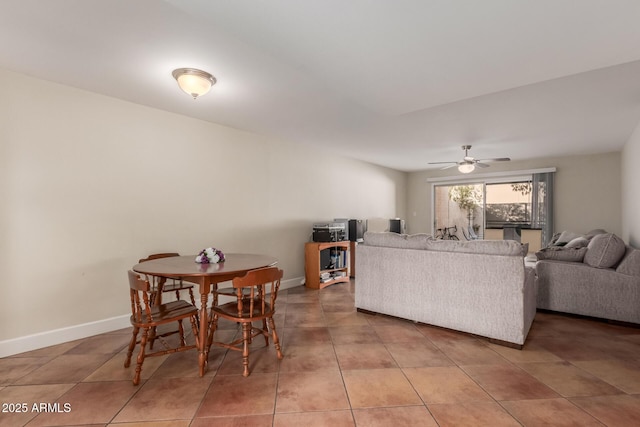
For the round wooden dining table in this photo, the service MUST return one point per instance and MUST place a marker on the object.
(207, 276)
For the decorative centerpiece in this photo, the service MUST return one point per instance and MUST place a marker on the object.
(210, 256)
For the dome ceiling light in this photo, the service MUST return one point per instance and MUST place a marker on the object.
(193, 81)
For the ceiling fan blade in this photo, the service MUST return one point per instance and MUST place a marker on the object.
(499, 159)
(449, 167)
(481, 165)
(442, 163)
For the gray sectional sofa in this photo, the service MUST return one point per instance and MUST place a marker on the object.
(599, 279)
(480, 287)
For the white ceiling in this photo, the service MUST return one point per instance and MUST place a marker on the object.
(398, 83)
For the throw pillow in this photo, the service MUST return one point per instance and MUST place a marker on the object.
(630, 264)
(578, 242)
(590, 235)
(605, 251)
(563, 254)
(566, 237)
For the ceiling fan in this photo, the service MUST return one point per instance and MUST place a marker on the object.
(468, 163)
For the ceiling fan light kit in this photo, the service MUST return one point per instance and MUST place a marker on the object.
(468, 164)
(193, 81)
(466, 167)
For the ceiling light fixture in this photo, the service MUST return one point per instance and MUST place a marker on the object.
(193, 81)
(466, 167)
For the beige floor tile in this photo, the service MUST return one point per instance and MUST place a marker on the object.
(621, 410)
(621, 374)
(88, 403)
(24, 397)
(172, 423)
(314, 419)
(441, 335)
(508, 382)
(301, 319)
(239, 421)
(235, 395)
(305, 336)
(471, 352)
(353, 335)
(370, 388)
(445, 385)
(394, 416)
(14, 368)
(530, 353)
(399, 333)
(311, 391)
(65, 368)
(114, 370)
(165, 399)
(549, 412)
(102, 344)
(568, 380)
(345, 318)
(364, 356)
(420, 353)
(476, 414)
(308, 358)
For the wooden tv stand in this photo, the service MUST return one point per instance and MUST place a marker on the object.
(313, 270)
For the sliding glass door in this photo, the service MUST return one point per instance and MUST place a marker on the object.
(459, 211)
(515, 208)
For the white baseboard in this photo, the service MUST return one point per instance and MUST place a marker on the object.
(71, 333)
(62, 335)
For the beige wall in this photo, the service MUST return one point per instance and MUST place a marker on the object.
(587, 193)
(631, 190)
(89, 184)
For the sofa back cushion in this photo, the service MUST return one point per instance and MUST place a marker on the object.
(395, 240)
(485, 247)
(630, 264)
(605, 251)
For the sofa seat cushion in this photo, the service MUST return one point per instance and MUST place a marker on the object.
(605, 251)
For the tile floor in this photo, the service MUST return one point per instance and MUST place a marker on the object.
(341, 368)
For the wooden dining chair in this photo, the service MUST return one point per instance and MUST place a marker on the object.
(255, 301)
(164, 285)
(148, 316)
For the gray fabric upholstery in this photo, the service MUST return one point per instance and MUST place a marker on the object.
(562, 254)
(491, 295)
(575, 287)
(630, 264)
(578, 242)
(604, 251)
(395, 240)
(486, 247)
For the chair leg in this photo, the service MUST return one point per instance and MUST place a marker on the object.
(276, 341)
(152, 337)
(181, 332)
(213, 325)
(194, 328)
(246, 339)
(143, 344)
(132, 345)
(266, 332)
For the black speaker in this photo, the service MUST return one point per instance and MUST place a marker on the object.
(356, 230)
(396, 225)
